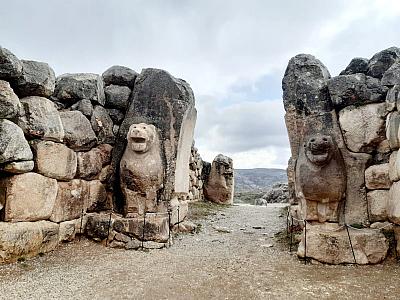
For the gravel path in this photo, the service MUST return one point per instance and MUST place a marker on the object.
(235, 256)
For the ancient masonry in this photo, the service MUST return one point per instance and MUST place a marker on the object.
(111, 157)
(345, 169)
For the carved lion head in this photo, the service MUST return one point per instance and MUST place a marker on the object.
(319, 149)
(141, 137)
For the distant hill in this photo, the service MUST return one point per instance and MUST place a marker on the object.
(257, 180)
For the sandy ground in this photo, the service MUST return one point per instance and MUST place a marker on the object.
(235, 256)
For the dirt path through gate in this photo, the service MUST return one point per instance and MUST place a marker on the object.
(235, 256)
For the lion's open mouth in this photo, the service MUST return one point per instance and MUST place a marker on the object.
(319, 149)
(138, 140)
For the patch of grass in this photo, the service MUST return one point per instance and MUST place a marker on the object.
(201, 209)
(21, 259)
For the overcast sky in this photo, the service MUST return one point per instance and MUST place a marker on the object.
(233, 53)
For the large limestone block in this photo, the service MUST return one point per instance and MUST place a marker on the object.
(117, 96)
(9, 102)
(394, 166)
(91, 163)
(18, 167)
(356, 89)
(26, 239)
(356, 65)
(55, 160)
(102, 125)
(119, 75)
(37, 79)
(29, 197)
(72, 87)
(219, 187)
(10, 65)
(155, 227)
(377, 204)
(377, 177)
(79, 134)
(363, 127)
(382, 61)
(97, 197)
(40, 119)
(392, 129)
(392, 75)
(69, 229)
(71, 200)
(393, 206)
(327, 244)
(13, 145)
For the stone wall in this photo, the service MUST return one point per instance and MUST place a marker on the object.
(343, 173)
(62, 144)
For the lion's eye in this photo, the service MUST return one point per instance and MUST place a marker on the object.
(325, 139)
(312, 140)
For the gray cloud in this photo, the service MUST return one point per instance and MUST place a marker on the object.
(232, 52)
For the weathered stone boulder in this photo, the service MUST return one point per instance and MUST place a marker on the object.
(356, 65)
(393, 98)
(40, 119)
(37, 79)
(168, 104)
(99, 225)
(91, 163)
(116, 115)
(84, 106)
(69, 229)
(377, 177)
(26, 239)
(394, 166)
(102, 125)
(71, 200)
(142, 170)
(97, 197)
(392, 129)
(9, 102)
(10, 65)
(120, 75)
(392, 75)
(303, 85)
(219, 186)
(382, 61)
(79, 134)
(363, 127)
(355, 89)
(328, 244)
(117, 96)
(377, 203)
(54, 160)
(28, 197)
(393, 206)
(18, 167)
(73, 87)
(13, 146)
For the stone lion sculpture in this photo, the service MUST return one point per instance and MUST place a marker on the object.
(141, 170)
(219, 186)
(320, 179)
